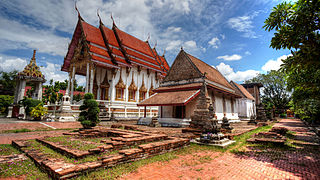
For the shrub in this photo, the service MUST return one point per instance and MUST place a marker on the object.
(38, 111)
(29, 103)
(89, 116)
(283, 115)
(5, 102)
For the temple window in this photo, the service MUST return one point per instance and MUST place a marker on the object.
(151, 89)
(105, 85)
(120, 87)
(132, 90)
(142, 91)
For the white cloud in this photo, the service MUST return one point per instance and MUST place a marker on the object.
(274, 64)
(215, 42)
(190, 44)
(229, 73)
(174, 29)
(243, 24)
(10, 64)
(233, 57)
(24, 35)
(248, 53)
(53, 71)
(173, 45)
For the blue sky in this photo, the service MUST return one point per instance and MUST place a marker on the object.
(225, 34)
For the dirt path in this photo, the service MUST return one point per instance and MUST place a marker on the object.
(278, 164)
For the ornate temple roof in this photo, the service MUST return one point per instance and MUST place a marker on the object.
(31, 71)
(113, 48)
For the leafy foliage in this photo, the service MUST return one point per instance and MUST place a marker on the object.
(29, 103)
(38, 111)
(77, 97)
(297, 28)
(89, 116)
(274, 89)
(7, 79)
(5, 102)
(51, 93)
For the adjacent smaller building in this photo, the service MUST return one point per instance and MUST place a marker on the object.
(246, 104)
(178, 93)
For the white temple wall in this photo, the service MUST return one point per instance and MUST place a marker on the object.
(228, 111)
(190, 107)
(167, 111)
(130, 109)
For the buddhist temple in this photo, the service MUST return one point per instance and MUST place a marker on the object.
(246, 104)
(177, 95)
(120, 69)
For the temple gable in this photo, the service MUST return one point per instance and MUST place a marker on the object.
(182, 69)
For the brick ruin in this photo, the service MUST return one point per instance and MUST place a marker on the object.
(116, 146)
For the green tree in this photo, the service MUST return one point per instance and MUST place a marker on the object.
(8, 80)
(51, 93)
(274, 89)
(89, 115)
(296, 27)
(5, 102)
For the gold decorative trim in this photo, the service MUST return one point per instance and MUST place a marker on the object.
(132, 86)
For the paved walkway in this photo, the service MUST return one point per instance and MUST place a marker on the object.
(303, 163)
(13, 124)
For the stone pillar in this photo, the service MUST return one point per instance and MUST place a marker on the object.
(16, 92)
(87, 78)
(39, 91)
(72, 83)
(112, 95)
(22, 89)
(91, 81)
(68, 86)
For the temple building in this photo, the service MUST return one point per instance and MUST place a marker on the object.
(120, 69)
(246, 104)
(178, 93)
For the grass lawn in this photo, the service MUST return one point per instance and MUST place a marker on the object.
(72, 144)
(26, 169)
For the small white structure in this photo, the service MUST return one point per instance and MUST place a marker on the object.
(30, 74)
(246, 104)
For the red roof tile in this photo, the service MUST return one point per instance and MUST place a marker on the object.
(93, 34)
(133, 42)
(179, 87)
(170, 98)
(243, 91)
(211, 73)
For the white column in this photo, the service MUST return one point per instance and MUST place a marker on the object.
(39, 91)
(112, 94)
(22, 89)
(72, 83)
(91, 81)
(87, 79)
(68, 87)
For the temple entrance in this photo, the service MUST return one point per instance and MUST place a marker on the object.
(179, 111)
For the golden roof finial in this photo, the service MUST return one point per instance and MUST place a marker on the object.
(34, 55)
